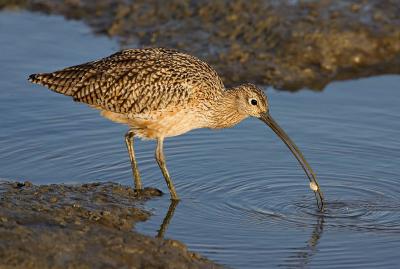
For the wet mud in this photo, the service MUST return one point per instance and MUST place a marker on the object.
(287, 44)
(83, 226)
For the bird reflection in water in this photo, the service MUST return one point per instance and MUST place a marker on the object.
(302, 256)
(167, 219)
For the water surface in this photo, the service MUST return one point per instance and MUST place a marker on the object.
(246, 202)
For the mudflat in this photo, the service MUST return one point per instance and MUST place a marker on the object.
(287, 44)
(83, 226)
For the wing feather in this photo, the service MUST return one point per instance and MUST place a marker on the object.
(136, 81)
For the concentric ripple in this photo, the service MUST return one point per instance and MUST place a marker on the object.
(359, 206)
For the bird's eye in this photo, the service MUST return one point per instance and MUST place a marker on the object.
(253, 102)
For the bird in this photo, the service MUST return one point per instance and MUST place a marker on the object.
(160, 93)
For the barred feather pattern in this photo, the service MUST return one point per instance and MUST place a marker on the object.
(137, 81)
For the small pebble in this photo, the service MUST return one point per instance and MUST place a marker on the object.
(313, 186)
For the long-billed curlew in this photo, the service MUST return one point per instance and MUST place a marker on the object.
(161, 93)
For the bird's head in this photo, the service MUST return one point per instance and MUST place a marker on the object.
(252, 101)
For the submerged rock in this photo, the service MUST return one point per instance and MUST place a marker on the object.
(287, 44)
(83, 226)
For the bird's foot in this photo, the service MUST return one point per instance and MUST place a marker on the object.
(148, 192)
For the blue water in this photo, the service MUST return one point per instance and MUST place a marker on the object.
(246, 202)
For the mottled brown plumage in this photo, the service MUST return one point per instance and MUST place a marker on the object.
(137, 81)
(160, 93)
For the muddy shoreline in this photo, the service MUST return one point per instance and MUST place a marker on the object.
(83, 226)
(287, 44)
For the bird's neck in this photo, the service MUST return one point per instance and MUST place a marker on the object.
(226, 112)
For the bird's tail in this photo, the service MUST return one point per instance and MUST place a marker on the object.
(54, 81)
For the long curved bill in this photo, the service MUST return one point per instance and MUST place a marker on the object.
(266, 117)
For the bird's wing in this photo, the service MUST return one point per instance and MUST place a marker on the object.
(136, 81)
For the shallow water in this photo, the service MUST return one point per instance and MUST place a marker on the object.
(246, 202)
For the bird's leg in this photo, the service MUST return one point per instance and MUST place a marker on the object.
(161, 162)
(129, 136)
